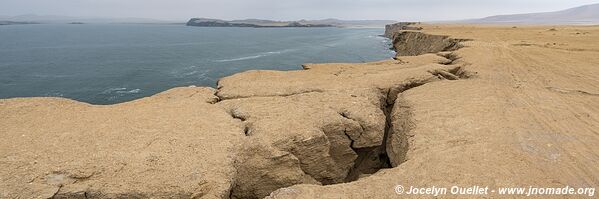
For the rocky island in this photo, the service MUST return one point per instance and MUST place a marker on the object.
(203, 22)
(260, 23)
(459, 105)
(15, 23)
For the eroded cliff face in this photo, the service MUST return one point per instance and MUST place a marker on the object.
(409, 43)
(391, 29)
(360, 129)
(407, 40)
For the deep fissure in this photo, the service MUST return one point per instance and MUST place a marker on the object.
(247, 131)
(372, 159)
(379, 153)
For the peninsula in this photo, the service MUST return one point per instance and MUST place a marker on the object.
(260, 23)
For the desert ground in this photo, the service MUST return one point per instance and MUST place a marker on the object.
(461, 105)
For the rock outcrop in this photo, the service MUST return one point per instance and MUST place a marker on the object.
(407, 40)
(216, 23)
(16, 23)
(175, 144)
(202, 22)
(391, 29)
(409, 43)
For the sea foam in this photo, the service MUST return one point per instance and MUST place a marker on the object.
(264, 54)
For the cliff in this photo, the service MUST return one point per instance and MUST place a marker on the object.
(477, 114)
(407, 40)
(396, 28)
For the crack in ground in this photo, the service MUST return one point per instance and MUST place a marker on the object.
(451, 56)
(571, 91)
(278, 95)
(247, 131)
(392, 95)
(364, 154)
(346, 116)
(370, 160)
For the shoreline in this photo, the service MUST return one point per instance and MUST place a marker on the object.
(172, 59)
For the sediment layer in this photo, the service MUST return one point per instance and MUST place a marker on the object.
(457, 113)
(391, 29)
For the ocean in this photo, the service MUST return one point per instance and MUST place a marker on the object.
(113, 63)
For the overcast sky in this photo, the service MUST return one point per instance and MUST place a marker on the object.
(402, 10)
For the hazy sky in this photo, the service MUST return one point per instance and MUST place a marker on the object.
(407, 10)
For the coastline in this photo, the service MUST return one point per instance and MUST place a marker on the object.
(447, 110)
(168, 62)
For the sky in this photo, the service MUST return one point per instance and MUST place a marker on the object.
(401, 10)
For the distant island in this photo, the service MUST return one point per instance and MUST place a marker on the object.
(260, 23)
(15, 22)
(256, 23)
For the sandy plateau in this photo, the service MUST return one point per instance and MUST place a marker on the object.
(496, 106)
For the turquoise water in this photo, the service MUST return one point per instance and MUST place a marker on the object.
(107, 64)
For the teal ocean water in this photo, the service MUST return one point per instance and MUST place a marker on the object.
(107, 64)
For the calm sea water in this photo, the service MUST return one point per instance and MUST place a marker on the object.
(107, 64)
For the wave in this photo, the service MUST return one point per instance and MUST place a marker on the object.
(111, 90)
(240, 59)
(53, 94)
(264, 54)
(137, 90)
(121, 91)
(191, 71)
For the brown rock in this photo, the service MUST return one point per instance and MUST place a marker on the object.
(162, 146)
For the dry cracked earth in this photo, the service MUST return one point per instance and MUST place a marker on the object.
(460, 105)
